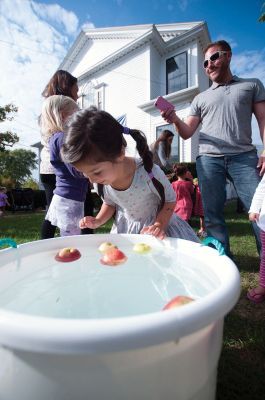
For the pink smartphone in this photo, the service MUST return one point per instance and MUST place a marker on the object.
(163, 104)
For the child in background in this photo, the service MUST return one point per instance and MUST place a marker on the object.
(257, 214)
(135, 192)
(198, 209)
(3, 200)
(67, 205)
(184, 190)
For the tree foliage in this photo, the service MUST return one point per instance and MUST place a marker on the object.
(262, 17)
(17, 165)
(7, 138)
(30, 183)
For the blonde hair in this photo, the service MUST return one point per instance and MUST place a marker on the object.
(55, 111)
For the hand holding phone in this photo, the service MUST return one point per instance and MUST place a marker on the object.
(163, 105)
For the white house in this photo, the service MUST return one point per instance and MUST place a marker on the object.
(123, 69)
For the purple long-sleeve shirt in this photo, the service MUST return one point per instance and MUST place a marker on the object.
(70, 183)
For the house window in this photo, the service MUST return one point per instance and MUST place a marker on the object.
(94, 96)
(177, 73)
(175, 143)
(100, 97)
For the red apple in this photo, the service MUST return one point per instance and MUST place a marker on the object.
(113, 257)
(68, 254)
(177, 302)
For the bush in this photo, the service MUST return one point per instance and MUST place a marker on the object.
(26, 199)
(30, 183)
(39, 199)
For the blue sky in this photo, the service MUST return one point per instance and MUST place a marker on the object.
(235, 19)
(35, 36)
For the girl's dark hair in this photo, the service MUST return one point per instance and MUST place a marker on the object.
(61, 83)
(163, 137)
(96, 135)
(180, 170)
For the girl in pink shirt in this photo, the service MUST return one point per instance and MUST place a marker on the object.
(184, 190)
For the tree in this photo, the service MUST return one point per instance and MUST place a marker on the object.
(262, 17)
(30, 183)
(17, 165)
(7, 139)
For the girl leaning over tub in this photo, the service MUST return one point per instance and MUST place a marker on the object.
(134, 189)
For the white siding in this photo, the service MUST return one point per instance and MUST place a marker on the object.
(95, 51)
(157, 80)
(193, 65)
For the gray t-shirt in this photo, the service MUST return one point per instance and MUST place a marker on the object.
(225, 112)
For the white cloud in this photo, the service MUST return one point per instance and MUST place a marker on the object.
(56, 14)
(34, 40)
(249, 64)
(87, 25)
(183, 4)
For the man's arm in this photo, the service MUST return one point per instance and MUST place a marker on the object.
(259, 112)
(185, 129)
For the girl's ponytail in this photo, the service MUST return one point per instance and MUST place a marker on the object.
(147, 157)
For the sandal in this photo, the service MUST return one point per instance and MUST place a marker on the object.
(255, 297)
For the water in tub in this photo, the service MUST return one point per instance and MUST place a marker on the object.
(37, 284)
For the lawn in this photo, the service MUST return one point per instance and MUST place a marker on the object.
(241, 374)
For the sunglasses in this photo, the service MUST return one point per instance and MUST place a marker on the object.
(213, 57)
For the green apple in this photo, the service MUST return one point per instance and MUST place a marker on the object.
(141, 248)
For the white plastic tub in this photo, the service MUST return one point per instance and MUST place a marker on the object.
(81, 330)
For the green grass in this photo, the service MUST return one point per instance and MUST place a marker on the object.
(241, 373)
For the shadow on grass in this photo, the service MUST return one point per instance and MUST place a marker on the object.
(242, 376)
(237, 228)
(241, 369)
(247, 263)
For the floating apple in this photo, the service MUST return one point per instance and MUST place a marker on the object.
(68, 254)
(105, 246)
(113, 257)
(177, 302)
(141, 248)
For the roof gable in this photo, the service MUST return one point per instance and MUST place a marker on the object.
(94, 49)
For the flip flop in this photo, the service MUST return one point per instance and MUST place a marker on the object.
(255, 297)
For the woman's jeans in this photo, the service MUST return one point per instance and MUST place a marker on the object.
(213, 172)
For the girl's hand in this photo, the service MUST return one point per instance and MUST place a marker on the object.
(254, 217)
(154, 230)
(89, 222)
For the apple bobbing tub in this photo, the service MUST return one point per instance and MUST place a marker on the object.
(82, 330)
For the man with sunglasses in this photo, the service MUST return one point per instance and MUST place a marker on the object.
(224, 113)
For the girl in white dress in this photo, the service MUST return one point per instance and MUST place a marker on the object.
(257, 214)
(135, 192)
